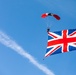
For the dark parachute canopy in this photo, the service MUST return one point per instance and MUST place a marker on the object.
(50, 14)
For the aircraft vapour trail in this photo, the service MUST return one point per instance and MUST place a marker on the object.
(5, 40)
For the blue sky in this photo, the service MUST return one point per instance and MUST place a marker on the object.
(21, 21)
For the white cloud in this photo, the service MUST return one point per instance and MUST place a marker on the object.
(5, 40)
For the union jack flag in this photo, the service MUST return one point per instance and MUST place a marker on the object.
(61, 41)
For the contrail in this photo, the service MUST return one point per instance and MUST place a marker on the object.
(5, 40)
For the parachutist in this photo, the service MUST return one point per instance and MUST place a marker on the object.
(48, 29)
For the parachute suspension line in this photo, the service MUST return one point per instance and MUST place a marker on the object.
(47, 23)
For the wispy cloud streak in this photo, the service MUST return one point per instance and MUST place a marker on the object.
(5, 40)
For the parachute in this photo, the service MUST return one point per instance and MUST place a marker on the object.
(50, 14)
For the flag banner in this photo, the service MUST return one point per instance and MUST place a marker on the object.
(61, 42)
